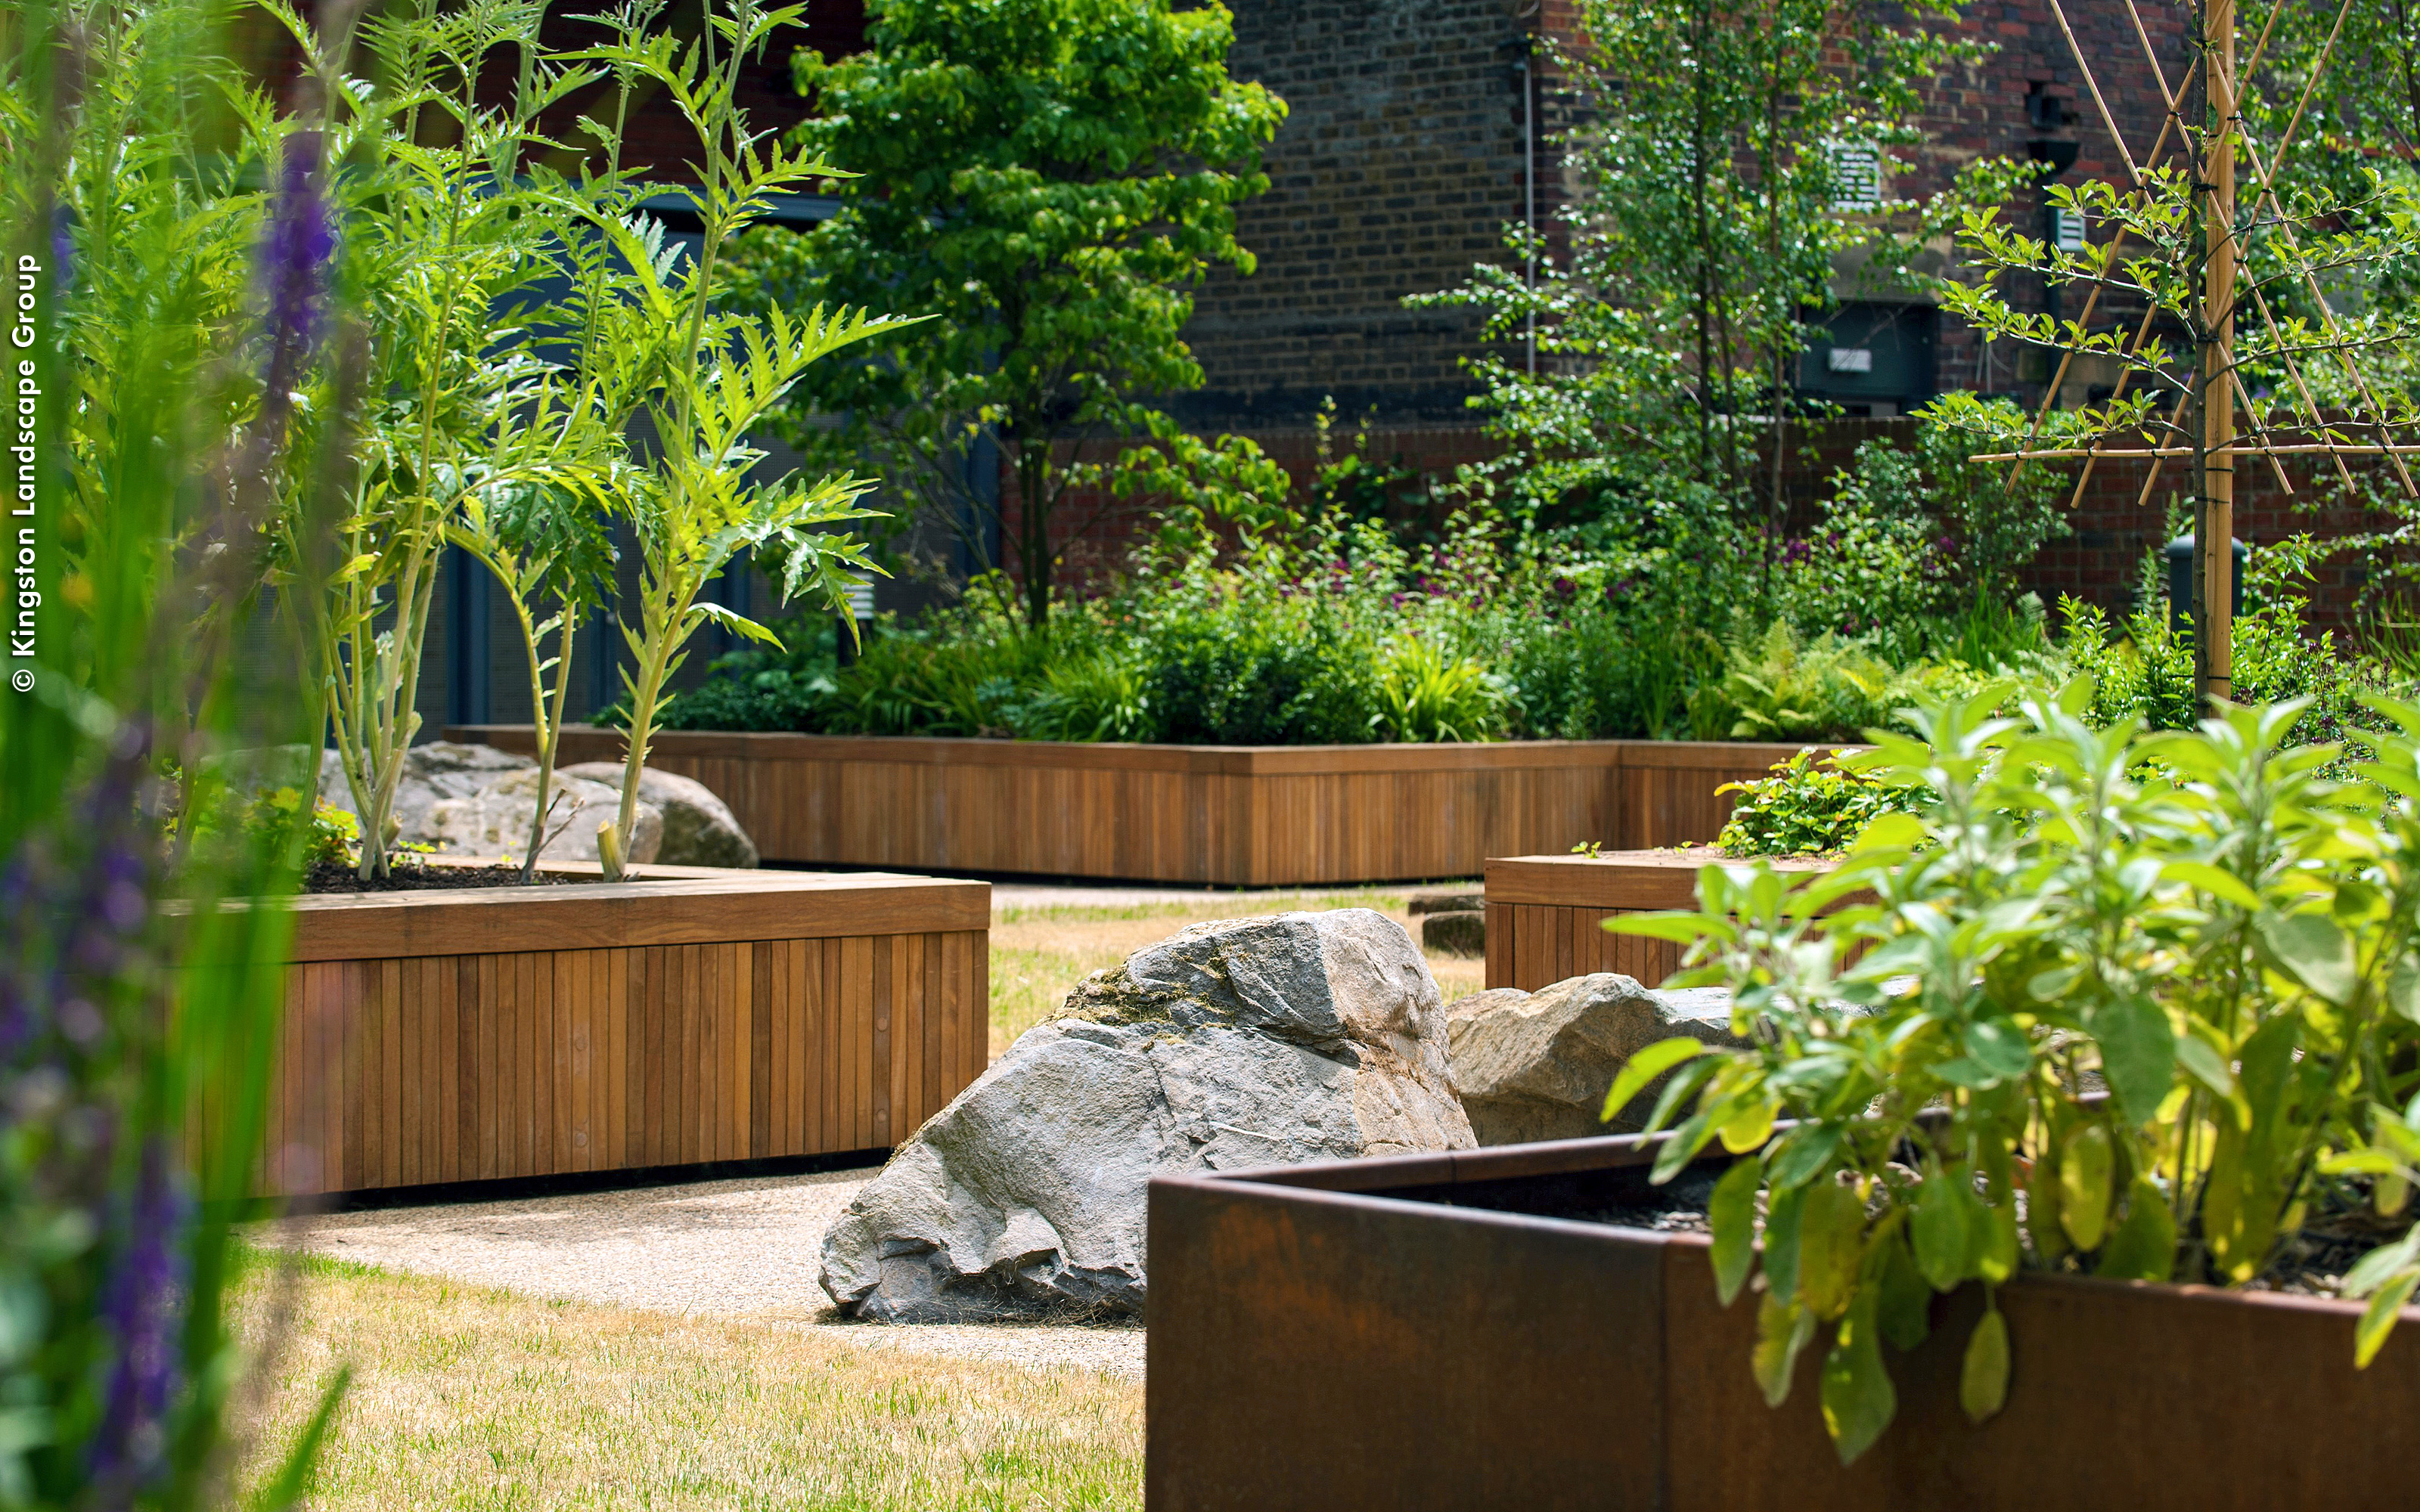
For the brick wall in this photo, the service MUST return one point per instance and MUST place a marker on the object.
(1396, 169)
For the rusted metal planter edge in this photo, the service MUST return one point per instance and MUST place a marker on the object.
(1340, 1334)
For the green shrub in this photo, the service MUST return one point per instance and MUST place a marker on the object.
(1810, 804)
(2195, 921)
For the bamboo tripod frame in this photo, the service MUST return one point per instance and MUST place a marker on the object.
(2206, 407)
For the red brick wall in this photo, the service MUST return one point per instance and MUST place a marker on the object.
(2097, 562)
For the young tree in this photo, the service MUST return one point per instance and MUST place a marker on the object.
(1050, 177)
(708, 377)
(1720, 163)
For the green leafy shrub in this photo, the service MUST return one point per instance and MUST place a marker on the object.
(1811, 805)
(2198, 922)
(1424, 696)
(1781, 687)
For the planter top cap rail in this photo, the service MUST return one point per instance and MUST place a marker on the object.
(1236, 760)
(1664, 878)
(659, 905)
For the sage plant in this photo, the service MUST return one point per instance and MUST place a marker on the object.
(2129, 1005)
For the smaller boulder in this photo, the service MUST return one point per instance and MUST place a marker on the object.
(1446, 903)
(1481, 1002)
(1537, 1065)
(1462, 933)
(699, 829)
(495, 821)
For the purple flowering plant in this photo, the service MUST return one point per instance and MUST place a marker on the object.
(174, 315)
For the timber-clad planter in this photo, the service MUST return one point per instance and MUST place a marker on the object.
(696, 1015)
(1545, 914)
(1226, 815)
(1409, 1333)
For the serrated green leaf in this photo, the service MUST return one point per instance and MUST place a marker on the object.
(1983, 1378)
(1732, 1214)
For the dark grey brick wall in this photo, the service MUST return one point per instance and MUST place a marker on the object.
(1398, 165)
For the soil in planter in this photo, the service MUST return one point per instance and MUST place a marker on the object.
(330, 876)
(2311, 1263)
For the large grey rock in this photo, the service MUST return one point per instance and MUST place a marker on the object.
(1537, 1065)
(699, 829)
(432, 773)
(495, 821)
(1258, 1042)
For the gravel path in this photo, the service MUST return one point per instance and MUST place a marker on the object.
(744, 1248)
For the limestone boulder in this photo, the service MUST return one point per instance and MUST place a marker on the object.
(1537, 1065)
(495, 820)
(699, 829)
(1303, 1037)
(432, 773)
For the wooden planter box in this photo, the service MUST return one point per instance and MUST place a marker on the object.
(1405, 1333)
(702, 1015)
(1545, 913)
(1225, 815)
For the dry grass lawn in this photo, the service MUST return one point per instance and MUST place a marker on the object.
(465, 1397)
(1037, 954)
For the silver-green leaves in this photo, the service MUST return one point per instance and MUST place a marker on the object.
(2120, 1005)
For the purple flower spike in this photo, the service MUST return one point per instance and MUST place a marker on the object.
(144, 1307)
(293, 267)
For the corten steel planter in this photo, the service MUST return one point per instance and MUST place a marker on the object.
(1410, 1333)
(1545, 914)
(1225, 815)
(699, 1015)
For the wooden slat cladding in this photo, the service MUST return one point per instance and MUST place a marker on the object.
(1235, 816)
(406, 1071)
(1545, 914)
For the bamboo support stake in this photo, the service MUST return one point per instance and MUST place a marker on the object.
(2214, 621)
